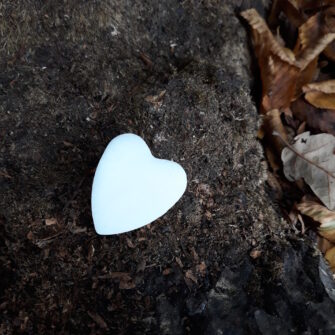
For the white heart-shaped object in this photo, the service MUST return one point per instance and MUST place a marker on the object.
(131, 188)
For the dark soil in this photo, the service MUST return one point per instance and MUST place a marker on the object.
(74, 74)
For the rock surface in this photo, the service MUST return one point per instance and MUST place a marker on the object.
(73, 76)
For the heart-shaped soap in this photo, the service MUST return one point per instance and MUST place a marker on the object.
(132, 188)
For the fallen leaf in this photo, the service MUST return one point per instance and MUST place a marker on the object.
(284, 72)
(327, 86)
(290, 9)
(330, 51)
(312, 158)
(317, 26)
(321, 94)
(330, 257)
(317, 212)
(275, 185)
(273, 123)
(323, 244)
(279, 72)
(321, 119)
(321, 100)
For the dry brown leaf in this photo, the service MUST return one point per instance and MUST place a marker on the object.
(317, 34)
(322, 119)
(330, 51)
(317, 212)
(312, 158)
(263, 38)
(323, 244)
(290, 8)
(321, 94)
(329, 234)
(275, 185)
(321, 214)
(309, 53)
(277, 64)
(313, 4)
(321, 100)
(283, 72)
(279, 80)
(272, 158)
(330, 257)
(327, 86)
(273, 144)
(273, 123)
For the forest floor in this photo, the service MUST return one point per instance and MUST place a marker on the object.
(75, 75)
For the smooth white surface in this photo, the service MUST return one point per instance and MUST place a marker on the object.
(131, 188)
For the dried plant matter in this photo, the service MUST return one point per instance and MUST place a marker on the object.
(318, 213)
(312, 158)
(282, 70)
(321, 94)
(298, 95)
